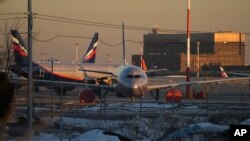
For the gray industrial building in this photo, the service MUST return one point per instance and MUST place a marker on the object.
(169, 50)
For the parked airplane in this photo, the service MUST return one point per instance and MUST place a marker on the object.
(132, 81)
(60, 72)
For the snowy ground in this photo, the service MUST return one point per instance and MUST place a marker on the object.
(170, 121)
(143, 126)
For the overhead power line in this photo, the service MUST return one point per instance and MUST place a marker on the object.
(70, 36)
(109, 44)
(13, 13)
(15, 18)
(73, 22)
(99, 24)
(57, 36)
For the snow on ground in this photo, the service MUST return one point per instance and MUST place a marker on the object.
(208, 127)
(90, 124)
(138, 128)
(191, 107)
(46, 137)
(92, 135)
(38, 109)
(95, 135)
(128, 106)
(205, 127)
(245, 122)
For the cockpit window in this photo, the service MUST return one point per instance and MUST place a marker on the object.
(134, 76)
(138, 76)
(130, 76)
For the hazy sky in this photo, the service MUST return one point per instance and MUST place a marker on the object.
(206, 15)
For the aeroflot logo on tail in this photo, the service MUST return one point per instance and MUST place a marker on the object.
(239, 133)
(90, 54)
(18, 47)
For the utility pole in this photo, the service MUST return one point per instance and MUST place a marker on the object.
(30, 95)
(188, 50)
(198, 59)
(123, 44)
(52, 85)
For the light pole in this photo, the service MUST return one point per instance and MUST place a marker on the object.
(30, 95)
(52, 86)
(188, 50)
(198, 59)
(76, 46)
(61, 119)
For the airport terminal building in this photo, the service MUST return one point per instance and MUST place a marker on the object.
(169, 50)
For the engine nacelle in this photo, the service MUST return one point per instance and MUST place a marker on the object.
(173, 96)
(87, 96)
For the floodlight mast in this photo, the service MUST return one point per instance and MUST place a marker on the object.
(188, 49)
(30, 95)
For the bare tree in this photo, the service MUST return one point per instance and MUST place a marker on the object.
(6, 53)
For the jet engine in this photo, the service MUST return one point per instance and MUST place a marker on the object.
(173, 96)
(86, 96)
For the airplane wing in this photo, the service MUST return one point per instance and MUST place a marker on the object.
(240, 74)
(172, 85)
(63, 83)
(97, 71)
(155, 70)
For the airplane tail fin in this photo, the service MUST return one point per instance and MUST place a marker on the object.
(21, 53)
(90, 55)
(143, 65)
(223, 73)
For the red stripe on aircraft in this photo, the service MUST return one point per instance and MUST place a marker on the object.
(90, 56)
(19, 49)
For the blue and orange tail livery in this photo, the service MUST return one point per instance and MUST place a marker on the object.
(90, 55)
(21, 53)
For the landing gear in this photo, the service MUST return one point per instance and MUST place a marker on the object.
(58, 90)
(156, 96)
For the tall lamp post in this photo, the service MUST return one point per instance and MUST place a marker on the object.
(52, 85)
(29, 95)
(188, 50)
(198, 59)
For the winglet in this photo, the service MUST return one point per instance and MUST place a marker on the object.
(223, 73)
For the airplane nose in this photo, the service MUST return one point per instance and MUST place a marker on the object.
(135, 86)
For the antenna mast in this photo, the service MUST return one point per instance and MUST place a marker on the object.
(123, 45)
